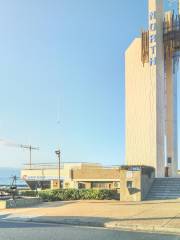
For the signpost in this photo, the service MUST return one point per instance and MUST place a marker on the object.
(58, 153)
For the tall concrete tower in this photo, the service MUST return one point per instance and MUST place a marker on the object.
(151, 63)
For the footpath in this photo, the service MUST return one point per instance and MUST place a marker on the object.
(154, 216)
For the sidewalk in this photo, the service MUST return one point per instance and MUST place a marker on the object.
(156, 216)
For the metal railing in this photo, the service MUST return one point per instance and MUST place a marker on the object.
(171, 32)
(40, 166)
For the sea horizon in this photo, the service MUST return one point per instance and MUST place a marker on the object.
(7, 173)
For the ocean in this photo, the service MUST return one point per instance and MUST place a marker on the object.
(6, 176)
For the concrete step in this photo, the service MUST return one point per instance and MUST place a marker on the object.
(165, 188)
(169, 184)
(160, 198)
(177, 183)
(164, 195)
(157, 199)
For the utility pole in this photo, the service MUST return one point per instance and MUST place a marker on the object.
(12, 144)
(58, 153)
(30, 147)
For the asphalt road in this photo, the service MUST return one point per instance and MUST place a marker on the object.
(36, 231)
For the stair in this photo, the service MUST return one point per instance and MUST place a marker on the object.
(164, 188)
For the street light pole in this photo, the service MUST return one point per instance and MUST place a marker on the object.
(58, 153)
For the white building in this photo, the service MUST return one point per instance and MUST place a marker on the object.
(151, 63)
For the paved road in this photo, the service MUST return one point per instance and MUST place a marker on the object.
(32, 231)
(141, 215)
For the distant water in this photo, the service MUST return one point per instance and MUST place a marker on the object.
(6, 175)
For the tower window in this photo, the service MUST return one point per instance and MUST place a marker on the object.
(129, 184)
(169, 160)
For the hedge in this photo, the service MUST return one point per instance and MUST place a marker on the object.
(28, 193)
(73, 194)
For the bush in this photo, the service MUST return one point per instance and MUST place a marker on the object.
(48, 195)
(29, 193)
(77, 194)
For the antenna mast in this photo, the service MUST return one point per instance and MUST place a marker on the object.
(29, 147)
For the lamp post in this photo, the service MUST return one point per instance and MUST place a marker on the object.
(58, 153)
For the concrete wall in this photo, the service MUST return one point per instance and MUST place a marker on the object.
(43, 172)
(141, 179)
(140, 109)
(19, 203)
(95, 173)
(158, 77)
(131, 194)
(72, 175)
(146, 184)
(145, 97)
(171, 67)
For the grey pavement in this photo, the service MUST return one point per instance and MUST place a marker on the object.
(36, 231)
(156, 216)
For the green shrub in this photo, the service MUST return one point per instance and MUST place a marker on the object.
(29, 193)
(99, 194)
(77, 194)
(48, 195)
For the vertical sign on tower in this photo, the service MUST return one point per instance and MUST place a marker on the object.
(152, 37)
(156, 64)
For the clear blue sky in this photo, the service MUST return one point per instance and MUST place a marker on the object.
(62, 77)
